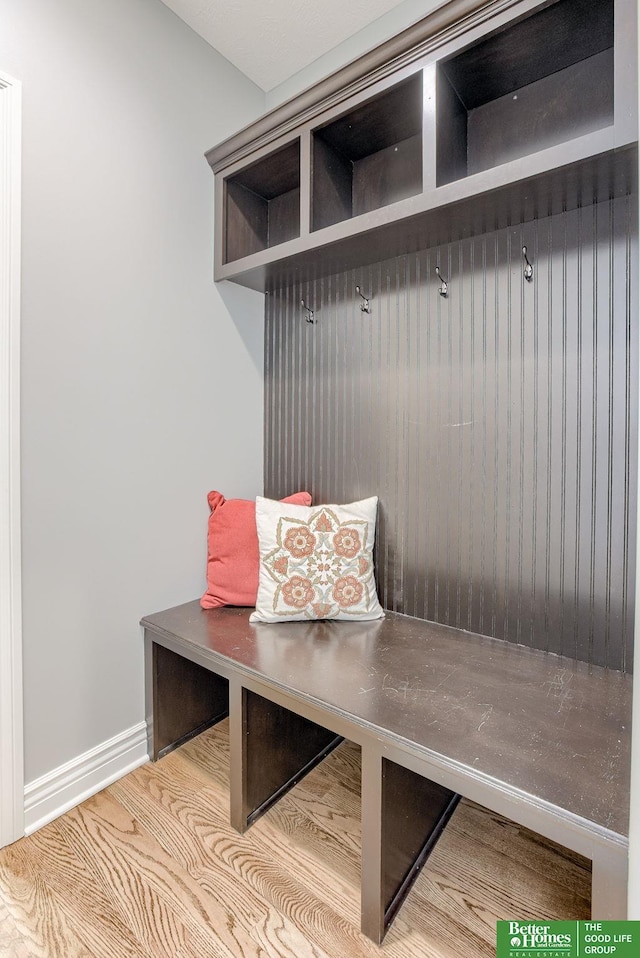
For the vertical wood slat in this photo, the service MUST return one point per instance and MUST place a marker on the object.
(496, 425)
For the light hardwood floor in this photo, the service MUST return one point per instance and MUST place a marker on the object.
(151, 867)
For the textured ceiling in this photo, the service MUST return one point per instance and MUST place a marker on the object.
(270, 40)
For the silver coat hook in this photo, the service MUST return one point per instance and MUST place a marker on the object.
(309, 318)
(364, 305)
(444, 289)
(528, 270)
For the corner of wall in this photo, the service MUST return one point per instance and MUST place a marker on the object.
(385, 27)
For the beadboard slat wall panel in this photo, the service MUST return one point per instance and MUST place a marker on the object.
(497, 425)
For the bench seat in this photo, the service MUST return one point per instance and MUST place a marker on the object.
(540, 739)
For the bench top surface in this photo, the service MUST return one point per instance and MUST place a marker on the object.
(553, 728)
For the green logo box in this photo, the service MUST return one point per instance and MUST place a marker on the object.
(567, 939)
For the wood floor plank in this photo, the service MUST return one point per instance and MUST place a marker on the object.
(38, 912)
(337, 813)
(12, 942)
(508, 884)
(547, 858)
(174, 790)
(436, 934)
(343, 765)
(209, 754)
(168, 910)
(91, 908)
(281, 939)
(214, 844)
(151, 868)
(179, 810)
(466, 886)
(330, 869)
(189, 827)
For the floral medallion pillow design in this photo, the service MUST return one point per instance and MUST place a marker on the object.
(316, 562)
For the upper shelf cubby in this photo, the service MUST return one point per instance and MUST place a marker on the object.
(485, 113)
(543, 80)
(369, 157)
(262, 203)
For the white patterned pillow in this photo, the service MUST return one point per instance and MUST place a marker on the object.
(316, 562)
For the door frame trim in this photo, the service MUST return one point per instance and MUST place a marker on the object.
(11, 689)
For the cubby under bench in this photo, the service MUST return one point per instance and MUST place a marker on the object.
(438, 713)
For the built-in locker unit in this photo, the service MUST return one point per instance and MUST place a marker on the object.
(474, 183)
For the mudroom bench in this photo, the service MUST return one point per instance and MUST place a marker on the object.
(438, 713)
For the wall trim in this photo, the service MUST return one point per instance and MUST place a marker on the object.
(11, 722)
(64, 787)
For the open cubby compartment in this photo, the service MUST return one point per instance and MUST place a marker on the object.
(369, 157)
(262, 203)
(539, 82)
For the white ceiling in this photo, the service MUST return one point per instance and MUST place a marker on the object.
(270, 40)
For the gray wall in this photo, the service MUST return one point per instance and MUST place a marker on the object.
(140, 392)
(391, 23)
(498, 426)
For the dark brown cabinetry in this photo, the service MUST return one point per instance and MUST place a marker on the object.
(546, 79)
(262, 206)
(369, 157)
(480, 113)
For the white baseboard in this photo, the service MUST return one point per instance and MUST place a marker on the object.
(66, 786)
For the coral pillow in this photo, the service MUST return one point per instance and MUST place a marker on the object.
(233, 555)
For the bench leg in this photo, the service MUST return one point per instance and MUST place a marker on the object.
(609, 885)
(403, 815)
(271, 749)
(182, 698)
(371, 906)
